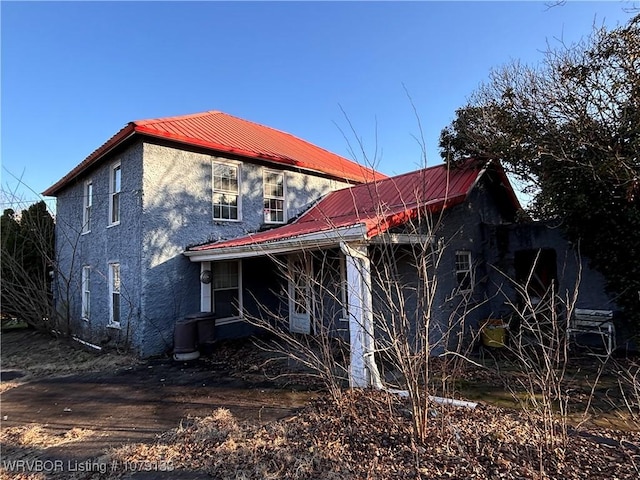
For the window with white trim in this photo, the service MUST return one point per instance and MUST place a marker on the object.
(115, 187)
(227, 290)
(226, 191)
(114, 294)
(88, 204)
(86, 292)
(274, 195)
(464, 272)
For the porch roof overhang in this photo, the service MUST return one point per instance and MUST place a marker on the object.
(308, 241)
(364, 213)
(316, 235)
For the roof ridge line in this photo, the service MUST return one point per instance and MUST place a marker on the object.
(151, 121)
(289, 134)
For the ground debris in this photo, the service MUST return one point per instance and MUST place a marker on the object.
(366, 434)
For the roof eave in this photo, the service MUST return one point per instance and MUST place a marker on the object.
(119, 138)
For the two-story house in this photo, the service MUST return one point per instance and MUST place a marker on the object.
(212, 213)
(127, 212)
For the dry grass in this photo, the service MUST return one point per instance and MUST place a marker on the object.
(220, 446)
(37, 354)
(39, 436)
(9, 384)
(364, 434)
(368, 435)
(4, 475)
(26, 443)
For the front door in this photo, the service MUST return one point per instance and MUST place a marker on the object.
(299, 294)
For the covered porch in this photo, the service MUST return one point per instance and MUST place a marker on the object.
(317, 270)
(314, 284)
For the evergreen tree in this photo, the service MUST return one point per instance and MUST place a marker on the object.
(27, 257)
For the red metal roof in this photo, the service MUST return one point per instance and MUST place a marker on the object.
(225, 133)
(378, 205)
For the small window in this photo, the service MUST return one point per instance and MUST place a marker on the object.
(115, 186)
(274, 195)
(463, 271)
(226, 191)
(114, 294)
(86, 292)
(226, 290)
(88, 204)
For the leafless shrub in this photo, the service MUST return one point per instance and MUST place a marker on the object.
(539, 350)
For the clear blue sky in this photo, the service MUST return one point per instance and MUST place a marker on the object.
(74, 73)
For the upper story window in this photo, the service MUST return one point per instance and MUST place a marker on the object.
(115, 186)
(464, 273)
(274, 195)
(226, 191)
(88, 204)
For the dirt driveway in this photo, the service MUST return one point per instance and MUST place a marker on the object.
(123, 404)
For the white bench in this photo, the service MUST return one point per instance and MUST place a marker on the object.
(599, 322)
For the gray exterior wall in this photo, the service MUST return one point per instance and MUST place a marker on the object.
(178, 212)
(505, 241)
(97, 248)
(483, 227)
(166, 205)
(454, 315)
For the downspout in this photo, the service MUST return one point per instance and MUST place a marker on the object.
(363, 370)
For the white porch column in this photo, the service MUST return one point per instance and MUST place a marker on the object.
(205, 289)
(363, 371)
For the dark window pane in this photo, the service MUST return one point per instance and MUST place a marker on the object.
(115, 208)
(226, 303)
(116, 307)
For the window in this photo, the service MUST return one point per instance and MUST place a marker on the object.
(226, 191)
(86, 292)
(115, 186)
(227, 298)
(464, 273)
(114, 294)
(88, 203)
(274, 192)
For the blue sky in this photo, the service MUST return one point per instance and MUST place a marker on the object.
(74, 73)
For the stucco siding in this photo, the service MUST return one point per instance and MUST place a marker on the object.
(103, 244)
(177, 212)
(573, 270)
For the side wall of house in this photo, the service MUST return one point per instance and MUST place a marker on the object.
(460, 310)
(178, 212)
(399, 297)
(572, 270)
(103, 245)
(401, 289)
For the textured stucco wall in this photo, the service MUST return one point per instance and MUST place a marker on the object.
(177, 212)
(97, 248)
(504, 242)
(165, 205)
(454, 315)
(458, 314)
